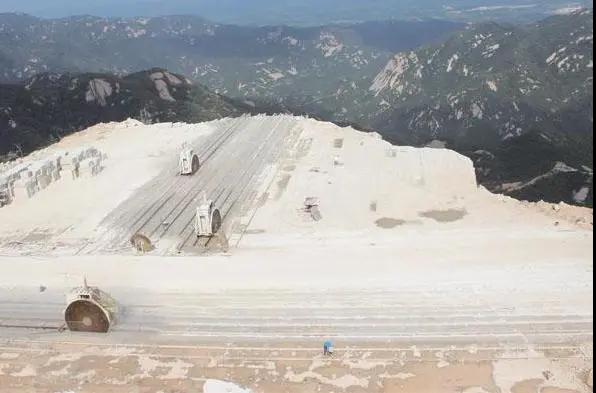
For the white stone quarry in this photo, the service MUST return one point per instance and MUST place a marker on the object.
(434, 169)
(378, 257)
(24, 186)
(70, 168)
(22, 179)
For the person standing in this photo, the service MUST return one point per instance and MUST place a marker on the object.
(328, 348)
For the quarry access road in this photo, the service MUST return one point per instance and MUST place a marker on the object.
(95, 366)
(256, 316)
(434, 338)
(517, 305)
(431, 335)
(234, 163)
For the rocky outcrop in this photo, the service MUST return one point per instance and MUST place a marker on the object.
(99, 91)
(49, 106)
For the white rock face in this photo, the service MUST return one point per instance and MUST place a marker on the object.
(568, 10)
(99, 90)
(174, 80)
(276, 76)
(435, 168)
(581, 195)
(452, 61)
(477, 111)
(329, 45)
(156, 75)
(391, 76)
(159, 79)
(491, 50)
(164, 92)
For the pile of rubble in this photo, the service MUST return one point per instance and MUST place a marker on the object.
(582, 217)
(22, 179)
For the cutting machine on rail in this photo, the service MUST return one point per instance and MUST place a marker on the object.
(188, 162)
(208, 219)
(89, 309)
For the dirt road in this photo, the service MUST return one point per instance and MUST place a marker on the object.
(439, 316)
(87, 365)
(515, 329)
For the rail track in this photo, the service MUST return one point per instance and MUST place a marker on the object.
(163, 210)
(402, 317)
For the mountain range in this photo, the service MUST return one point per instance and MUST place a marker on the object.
(235, 60)
(49, 106)
(494, 89)
(517, 99)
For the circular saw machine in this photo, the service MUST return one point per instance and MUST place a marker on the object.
(89, 309)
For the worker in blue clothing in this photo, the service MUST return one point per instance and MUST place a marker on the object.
(327, 348)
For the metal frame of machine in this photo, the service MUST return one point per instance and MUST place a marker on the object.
(208, 219)
(89, 309)
(188, 162)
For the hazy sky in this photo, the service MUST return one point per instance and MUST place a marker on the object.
(293, 11)
(58, 6)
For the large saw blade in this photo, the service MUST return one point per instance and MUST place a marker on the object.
(86, 316)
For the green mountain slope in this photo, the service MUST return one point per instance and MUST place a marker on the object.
(485, 90)
(273, 63)
(50, 106)
(516, 99)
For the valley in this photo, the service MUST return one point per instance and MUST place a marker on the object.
(521, 111)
